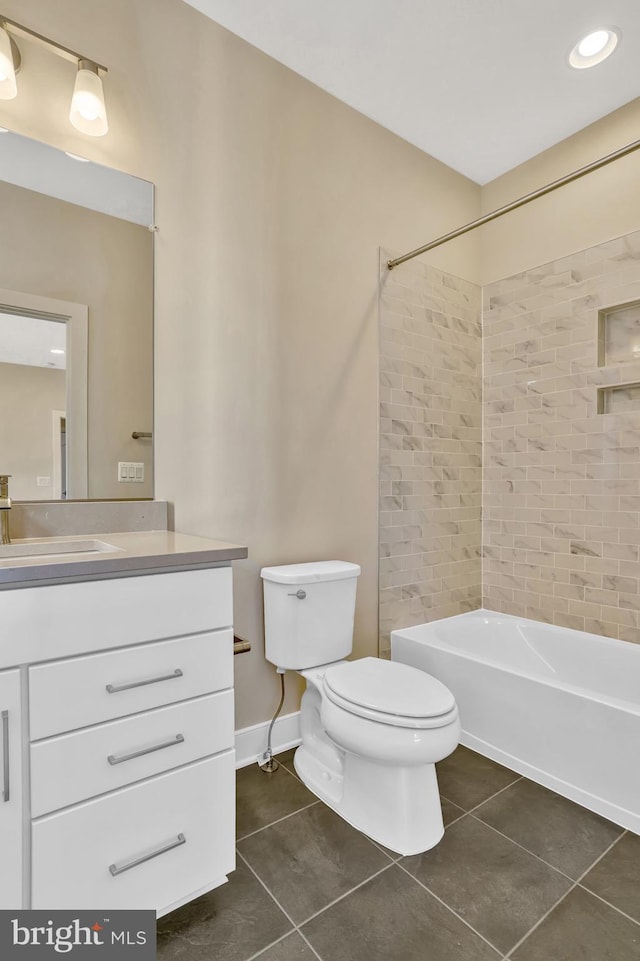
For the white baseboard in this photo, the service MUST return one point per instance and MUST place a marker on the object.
(252, 741)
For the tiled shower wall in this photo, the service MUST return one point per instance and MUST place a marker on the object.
(430, 446)
(561, 483)
(561, 532)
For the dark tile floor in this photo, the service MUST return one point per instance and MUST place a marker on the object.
(520, 874)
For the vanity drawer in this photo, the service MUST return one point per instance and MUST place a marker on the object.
(65, 695)
(148, 846)
(62, 620)
(74, 767)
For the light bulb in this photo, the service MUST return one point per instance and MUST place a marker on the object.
(594, 43)
(8, 86)
(88, 111)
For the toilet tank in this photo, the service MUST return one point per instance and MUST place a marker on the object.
(308, 613)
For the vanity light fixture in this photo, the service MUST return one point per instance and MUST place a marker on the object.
(594, 48)
(88, 112)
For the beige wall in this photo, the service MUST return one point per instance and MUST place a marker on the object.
(599, 207)
(57, 249)
(272, 200)
(28, 395)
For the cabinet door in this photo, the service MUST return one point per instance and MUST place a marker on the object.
(10, 791)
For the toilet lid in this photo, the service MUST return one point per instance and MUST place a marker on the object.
(388, 688)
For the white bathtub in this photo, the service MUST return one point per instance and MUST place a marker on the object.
(561, 707)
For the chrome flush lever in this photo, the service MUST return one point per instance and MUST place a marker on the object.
(299, 594)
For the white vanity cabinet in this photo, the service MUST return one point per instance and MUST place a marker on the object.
(129, 733)
(11, 839)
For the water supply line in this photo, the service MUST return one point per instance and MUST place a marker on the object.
(515, 204)
(266, 761)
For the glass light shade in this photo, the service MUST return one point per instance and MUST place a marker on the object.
(8, 87)
(88, 112)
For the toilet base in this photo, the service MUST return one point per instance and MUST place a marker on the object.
(398, 807)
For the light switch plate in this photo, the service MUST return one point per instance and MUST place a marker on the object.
(130, 472)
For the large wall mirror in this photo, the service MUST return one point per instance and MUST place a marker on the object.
(76, 326)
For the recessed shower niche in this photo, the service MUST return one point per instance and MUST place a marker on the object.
(619, 334)
(620, 399)
(619, 343)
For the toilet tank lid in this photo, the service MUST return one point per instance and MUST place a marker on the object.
(307, 573)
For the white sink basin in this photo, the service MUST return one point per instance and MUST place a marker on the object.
(50, 548)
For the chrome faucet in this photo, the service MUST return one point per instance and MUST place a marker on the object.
(5, 507)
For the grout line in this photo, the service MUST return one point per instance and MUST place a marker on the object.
(526, 850)
(519, 777)
(347, 893)
(601, 856)
(539, 922)
(537, 856)
(259, 953)
(608, 903)
(559, 901)
(448, 907)
(285, 768)
(297, 927)
(308, 943)
(501, 791)
(393, 858)
(277, 821)
(273, 898)
(455, 820)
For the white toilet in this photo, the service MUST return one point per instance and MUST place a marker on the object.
(372, 730)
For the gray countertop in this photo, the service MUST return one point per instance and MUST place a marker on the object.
(112, 555)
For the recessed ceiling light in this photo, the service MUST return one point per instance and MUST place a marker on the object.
(75, 156)
(594, 48)
(56, 350)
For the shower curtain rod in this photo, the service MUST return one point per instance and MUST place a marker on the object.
(526, 199)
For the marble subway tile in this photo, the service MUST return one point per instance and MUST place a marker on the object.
(430, 337)
(549, 316)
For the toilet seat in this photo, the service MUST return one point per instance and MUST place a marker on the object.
(390, 693)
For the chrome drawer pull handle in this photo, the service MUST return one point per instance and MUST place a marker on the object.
(116, 688)
(114, 759)
(5, 754)
(115, 870)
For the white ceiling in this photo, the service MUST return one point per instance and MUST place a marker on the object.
(482, 85)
